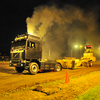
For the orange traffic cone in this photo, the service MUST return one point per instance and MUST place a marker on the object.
(67, 78)
(3, 61)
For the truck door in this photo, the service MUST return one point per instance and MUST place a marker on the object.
(34, 50)
(31, 52)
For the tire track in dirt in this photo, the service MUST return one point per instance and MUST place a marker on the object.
(10, 80)
(57, 91)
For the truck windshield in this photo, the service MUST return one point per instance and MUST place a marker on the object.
(19, 44)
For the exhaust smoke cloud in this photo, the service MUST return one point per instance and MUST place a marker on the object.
(62, 28)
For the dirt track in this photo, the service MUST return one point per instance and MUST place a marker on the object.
(11, 81)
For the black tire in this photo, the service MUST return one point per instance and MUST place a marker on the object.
(80, 64)
(19, 69)
(33, 68)
(57, 68)
(90, 64)
(73, 65)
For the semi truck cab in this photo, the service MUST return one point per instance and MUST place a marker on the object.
(26, 53)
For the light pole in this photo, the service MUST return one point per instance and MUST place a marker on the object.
(80, 50)
(79, 54)
(76, 51)
(99, 52)
(71, 52)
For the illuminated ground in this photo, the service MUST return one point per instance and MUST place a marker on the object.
(47, 85)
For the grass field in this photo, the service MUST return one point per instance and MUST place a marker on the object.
(92, 94)
(4, 61)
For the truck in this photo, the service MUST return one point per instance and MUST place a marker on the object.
(88, 56)
(26, 54)
(86, 60)
(88, 53)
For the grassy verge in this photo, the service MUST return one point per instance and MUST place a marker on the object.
(62, 81)
(4, 61)
(92, 94)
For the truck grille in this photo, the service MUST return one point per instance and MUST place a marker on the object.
(16, 61)
(16, 55)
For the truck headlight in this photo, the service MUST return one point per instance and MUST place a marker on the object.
(21, 64)
(10, 61)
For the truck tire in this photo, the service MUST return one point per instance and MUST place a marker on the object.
(57, 68)
(73, 65)
(86, 64)
(33, 68)
(90, 64)
(19, 69)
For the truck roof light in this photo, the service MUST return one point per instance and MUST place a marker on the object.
(88, 46)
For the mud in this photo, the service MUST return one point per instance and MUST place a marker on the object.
(43, 85)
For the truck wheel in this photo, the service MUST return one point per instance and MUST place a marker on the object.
(57, 68)
(73, 65)
(90, 64)
(19, 69)
(33, 68)
(86, 64)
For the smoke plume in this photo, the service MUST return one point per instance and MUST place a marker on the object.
(62, 28)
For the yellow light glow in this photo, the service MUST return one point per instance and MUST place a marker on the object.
(25, 37)
(30, 33)
(75, 46)
(80, 46)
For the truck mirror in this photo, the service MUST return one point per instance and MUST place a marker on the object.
(12, 41)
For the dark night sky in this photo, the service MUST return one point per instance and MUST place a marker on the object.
(14, 13)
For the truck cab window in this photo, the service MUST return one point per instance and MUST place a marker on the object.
(31, 44)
